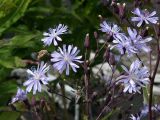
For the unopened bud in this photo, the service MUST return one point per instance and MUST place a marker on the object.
(42, 102)
(101, 18)
(96, 35)
(87, 42)
(137, 3)
(33, 101)
(121, 10)
(115, 6)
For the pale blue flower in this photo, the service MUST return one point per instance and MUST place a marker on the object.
(136, 78)
(36, 78)
(66, 58)
(138, 42)
(54, 35)
(144, 16)
(111, 29)
(124, 46)
(135, 117)
(20, 96)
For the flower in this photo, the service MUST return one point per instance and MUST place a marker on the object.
(124, 46)
(135, 117)
(20, 96)
(137, 77)
(65, 58)
(53, 35)
(144, 16)
(111, 29)
(36, 78)
(138, 42)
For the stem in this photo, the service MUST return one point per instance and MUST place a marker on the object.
(150, 62)
(106, 107)
(64, 101)
(152, 80)
(87, 98)
(87, 88)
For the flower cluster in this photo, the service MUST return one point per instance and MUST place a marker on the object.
(61, 59)
(137, 76)
(132, 43)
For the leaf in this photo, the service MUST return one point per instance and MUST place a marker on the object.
(9, 115)
(7, 89)
(19, 62)
(21, 40)
(11, 18)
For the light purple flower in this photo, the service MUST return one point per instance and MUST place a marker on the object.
(36, 78)
(20, 96)
(54, 35)
(66, 58)
(111, 29)
(138, 42)
(134, 117)
(136, 78)
(145, 111)
(144, 16)
(124, 46)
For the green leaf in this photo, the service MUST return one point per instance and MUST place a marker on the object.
(9, 115)
(19, 62)
(21, 40)
(14, 15)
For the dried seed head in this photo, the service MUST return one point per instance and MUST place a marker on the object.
(41, 54)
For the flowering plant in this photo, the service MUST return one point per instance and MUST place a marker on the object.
(68, 64)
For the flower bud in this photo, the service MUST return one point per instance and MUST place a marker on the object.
(137, 3)
(42, 102)
(96, 35)
(101, 18)
(121, 10)
(87, 42)
(33, 101)
(116, 10)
